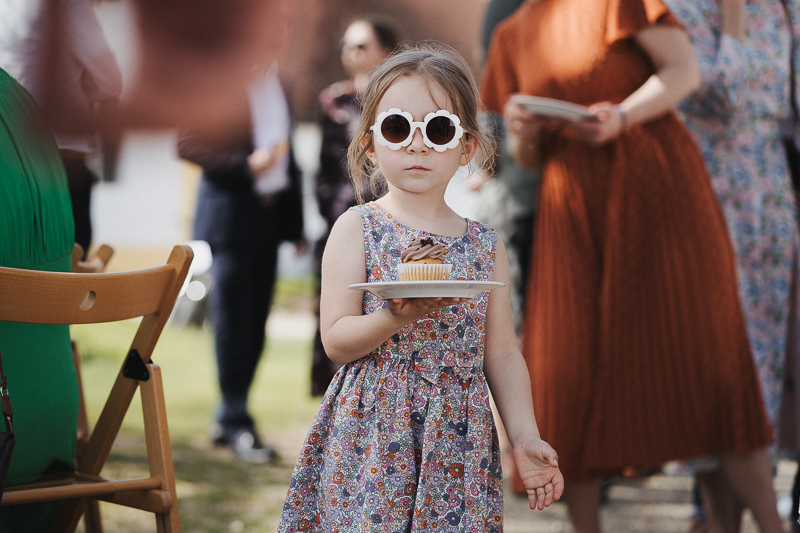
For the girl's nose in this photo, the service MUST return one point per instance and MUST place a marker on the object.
(418, 142)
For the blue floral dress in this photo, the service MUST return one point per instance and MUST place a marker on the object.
(735, 117)
(404, 438)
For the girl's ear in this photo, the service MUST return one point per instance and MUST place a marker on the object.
(469, 147)
(370, 151)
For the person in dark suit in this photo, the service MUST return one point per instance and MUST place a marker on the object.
(249, 200)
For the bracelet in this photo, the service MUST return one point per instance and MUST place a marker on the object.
(623, 119)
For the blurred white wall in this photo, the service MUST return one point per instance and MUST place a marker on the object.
(141, 208)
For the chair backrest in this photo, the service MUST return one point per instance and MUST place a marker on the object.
(86, 298)
(38, 297)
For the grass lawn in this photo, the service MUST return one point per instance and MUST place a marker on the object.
(217, 493)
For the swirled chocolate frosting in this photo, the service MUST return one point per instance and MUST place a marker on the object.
(422, 249)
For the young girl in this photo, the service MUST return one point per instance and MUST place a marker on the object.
(404, 438)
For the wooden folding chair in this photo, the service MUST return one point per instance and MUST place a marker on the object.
(88, 298)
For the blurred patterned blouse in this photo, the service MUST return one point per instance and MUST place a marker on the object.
(735, 116)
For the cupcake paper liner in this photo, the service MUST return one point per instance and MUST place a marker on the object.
(424, 271)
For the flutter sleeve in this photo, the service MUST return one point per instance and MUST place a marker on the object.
(626, 17)
(726, 63)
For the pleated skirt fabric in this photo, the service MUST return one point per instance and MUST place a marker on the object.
(634, 335)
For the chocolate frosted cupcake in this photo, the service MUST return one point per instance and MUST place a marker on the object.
(423, 260)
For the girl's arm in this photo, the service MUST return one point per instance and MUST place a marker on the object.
(508, 379)
(347, 334)
(676, 75)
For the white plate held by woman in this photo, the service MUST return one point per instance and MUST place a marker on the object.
(550, 107)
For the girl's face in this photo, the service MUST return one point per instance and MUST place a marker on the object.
(416, 168)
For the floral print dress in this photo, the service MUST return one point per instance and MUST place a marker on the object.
(735, 116)
(404, 439)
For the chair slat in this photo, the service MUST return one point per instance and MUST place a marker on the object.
(78, 489)
(80, 298)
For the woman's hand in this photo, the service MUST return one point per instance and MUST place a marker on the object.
(523, 130)
(609, 123)
(522, 123)
(263, 159)
(537, 464)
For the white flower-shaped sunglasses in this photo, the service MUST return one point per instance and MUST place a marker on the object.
(395, 128)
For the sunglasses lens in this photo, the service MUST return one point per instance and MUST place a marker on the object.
(440, 130)
(395, 128)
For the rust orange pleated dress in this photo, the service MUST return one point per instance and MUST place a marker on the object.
(634, 336)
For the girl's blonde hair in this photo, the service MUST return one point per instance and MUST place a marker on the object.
(439, 65)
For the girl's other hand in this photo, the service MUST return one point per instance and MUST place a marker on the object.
(410, 309)
(537, 464)
(608, 126)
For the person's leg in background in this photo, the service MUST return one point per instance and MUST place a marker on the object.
(322, 368)
(583, 506)
(520, 239)
(744, 480)
(244, 279)
(80, 180)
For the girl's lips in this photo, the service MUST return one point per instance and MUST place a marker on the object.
(417, 167)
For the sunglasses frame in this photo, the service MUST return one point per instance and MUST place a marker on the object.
(380, 139)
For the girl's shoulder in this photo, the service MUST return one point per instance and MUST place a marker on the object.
(480, 227)
(368, 213)
(481, 230)
(348, 223)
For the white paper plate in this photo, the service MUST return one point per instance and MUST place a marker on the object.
(427, 289)
(552, 108)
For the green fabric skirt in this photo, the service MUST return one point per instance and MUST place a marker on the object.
(36, 232)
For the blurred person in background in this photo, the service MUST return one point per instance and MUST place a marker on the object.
(508, 202)
(36, 232)
(515, 188)
(58, 52)
(248, 202)
(174, 47)
(744, 51)
(632, 300)
(366, 41)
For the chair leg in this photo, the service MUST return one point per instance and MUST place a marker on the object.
(69, 515)
(159, 451)
(91, 520)
(83, 419)
(71, 511)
